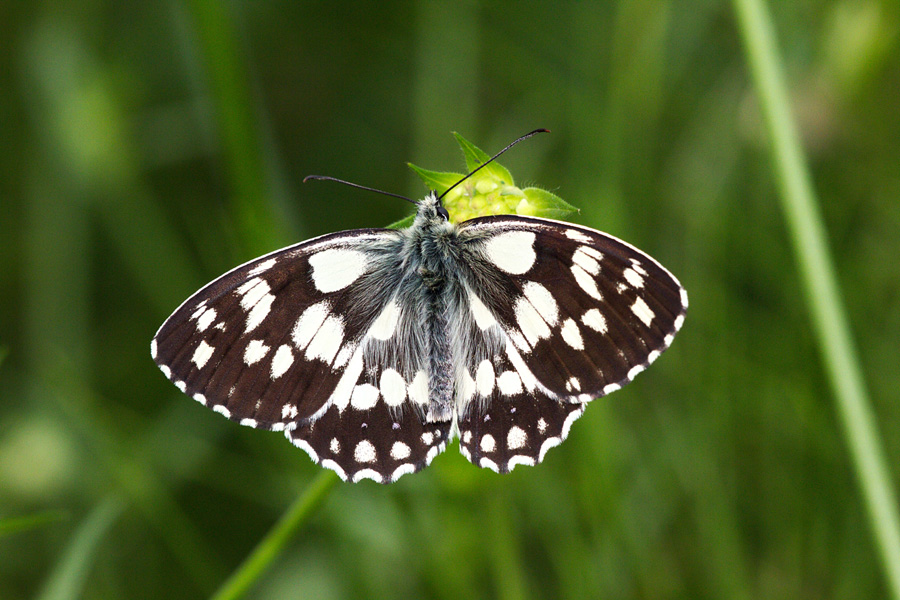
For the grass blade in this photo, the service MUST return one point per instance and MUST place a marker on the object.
(67, 579)
(275, 541)
(13, 525)
(817, 271)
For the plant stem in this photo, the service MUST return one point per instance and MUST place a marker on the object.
(278, 537)
(817, 271)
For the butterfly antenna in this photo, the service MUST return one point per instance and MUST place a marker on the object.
(356, 185)
(491, 159)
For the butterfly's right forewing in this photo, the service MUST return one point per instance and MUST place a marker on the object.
(266, 343)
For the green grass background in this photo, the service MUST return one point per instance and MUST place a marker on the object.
(149, 147)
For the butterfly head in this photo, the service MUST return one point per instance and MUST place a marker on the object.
(431, 211)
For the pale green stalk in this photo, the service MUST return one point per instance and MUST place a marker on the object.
(271, 546)
(817, 272)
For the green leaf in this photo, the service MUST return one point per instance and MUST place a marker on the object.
(490, 191)
(475, 157)
(438, 181)
(541, 203)
(402, 223)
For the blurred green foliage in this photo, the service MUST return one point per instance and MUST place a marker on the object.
(149, 147)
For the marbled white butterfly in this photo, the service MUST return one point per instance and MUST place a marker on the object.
(372, 349)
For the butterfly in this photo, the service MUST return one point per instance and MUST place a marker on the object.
(372, 349)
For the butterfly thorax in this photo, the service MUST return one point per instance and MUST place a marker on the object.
(430, 249)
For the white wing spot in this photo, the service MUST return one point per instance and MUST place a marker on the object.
(402, 470)
(519, 341)
(205, 319)
(484, 378)
(384, 326)
(652, 357)
(336, 268)
(309, 323)
(509, 383)
(486, 463)
(542, 301)
(519, 460)
(340, 397)
(584, 259)
(202, 354)
(573, 385)
(515, 439)
(200, 398)
(633, 278)
(642, 311)
(282, 361)
(220, 408)
(679, 321)
(393, 387)
(248, 422)
(637, 267)
(181, 386)
(595, 320)
(343, 357)
(483, 316)
(262, 267)
(255, 352)
(488, 444)
(467, 386)
(364, 396)
(542, 425)
(259, 311)
(531, 324)
(528, 378)
(578, 236)
(573, 416)
(612, 387)
(364, 452)
(586, 283)
(327, 463)
(427, 438)
(512, 251)
(418, 389)
(327, 341)
(252, 291)
(153, 348)
(367, 474)
(572, 335)
(288, 411)
(399, 451)
(335, 446)
(635, 370)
